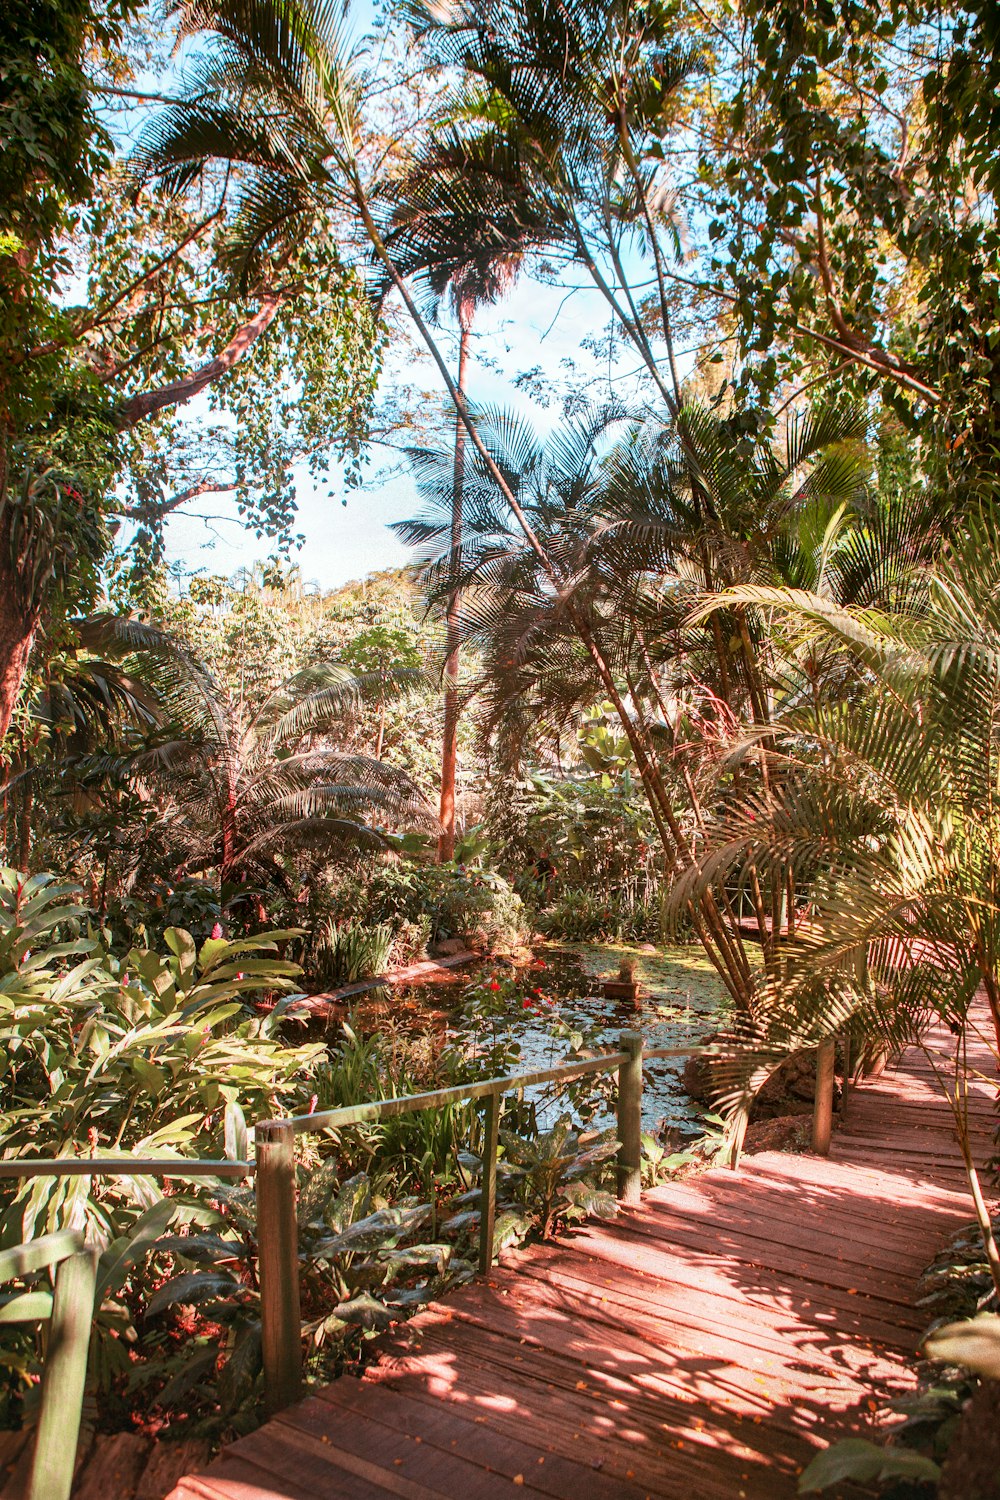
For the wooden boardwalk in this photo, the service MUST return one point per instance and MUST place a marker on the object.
(702, 1345)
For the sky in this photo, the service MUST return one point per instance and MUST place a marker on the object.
(537, 326)
(533, 327)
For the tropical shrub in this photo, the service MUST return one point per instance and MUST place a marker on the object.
(348, 951)
(453, 901)
(881, 809)
(581, 833)
(582, 916)
(145, 1052)
(552, 1177)
(364, 1264)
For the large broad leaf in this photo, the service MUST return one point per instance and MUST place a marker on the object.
(380, 1230)
(857, 1459)
(364, 1312)
(200, 1366)
(203, 1249)
(191, 1288)
(26, 1307)
(241, 1368)
(417, 1257)
(975, 1344)
(587, 1199)
(182, 945)
(237, 1142)
(119, 1258)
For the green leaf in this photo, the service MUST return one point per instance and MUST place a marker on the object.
(26, 1307)
(241, 1369)
(182, 945)
(860, 1460)
(974, 1344)
(124, 1253)
(364, 1311)
(236, 1138)
(191, 1288)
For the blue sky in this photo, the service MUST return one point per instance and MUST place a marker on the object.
(538, 326)
(343, 542)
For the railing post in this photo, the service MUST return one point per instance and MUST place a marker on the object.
(66, 1348)
(823, 1102)
(845, 1044)
(630, 1117)
(278, 1254)
(488, 1195)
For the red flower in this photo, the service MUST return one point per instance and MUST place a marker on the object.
(494, 985)
(526, 1005)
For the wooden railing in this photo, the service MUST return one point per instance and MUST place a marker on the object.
(273, 1169)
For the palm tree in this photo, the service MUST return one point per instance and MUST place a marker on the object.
(468, 273)
(471, 286)
(562, 113)
(269, 58)
(249, 792)
(89, 698)
(611, 504)
(885, 812)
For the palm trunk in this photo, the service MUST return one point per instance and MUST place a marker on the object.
(19, 616)
(17, 635)
(24, 841)
(380, 737)
(449, 744)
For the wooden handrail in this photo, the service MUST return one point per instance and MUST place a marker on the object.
(118, 1166)
(276, 1244)
(273, 1169)
(459, 1093)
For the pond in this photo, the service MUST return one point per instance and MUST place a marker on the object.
(682, 1001)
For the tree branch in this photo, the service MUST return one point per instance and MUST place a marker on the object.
(102, 313)
(155, 511)
(148, 403)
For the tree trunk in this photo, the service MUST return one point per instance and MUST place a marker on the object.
(380, 738)
(18, 625)
(27, 808)
(449, 746)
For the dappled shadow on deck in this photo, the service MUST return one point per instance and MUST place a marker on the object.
(702, 1345)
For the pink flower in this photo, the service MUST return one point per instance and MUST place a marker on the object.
(314, 1100)
(217, 931)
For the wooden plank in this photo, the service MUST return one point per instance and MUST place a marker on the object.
(114, 1467)
(702, 1345)
(319, 1468)
(387, 1452)
(667, 1453)
(235, 1478)
(432, 1422)
(753, 1345)
(167, 1463)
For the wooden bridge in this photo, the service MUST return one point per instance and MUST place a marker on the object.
(703, 1344)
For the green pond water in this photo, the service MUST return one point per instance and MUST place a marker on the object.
(683, 1001)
